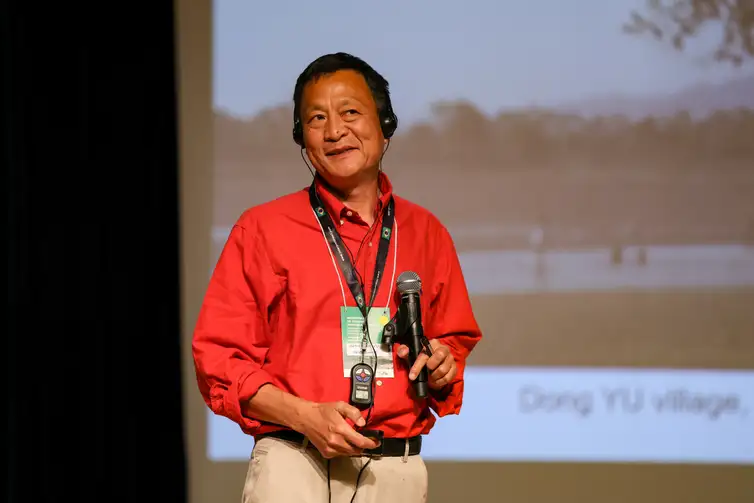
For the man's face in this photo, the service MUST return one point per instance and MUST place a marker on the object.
(341, 127)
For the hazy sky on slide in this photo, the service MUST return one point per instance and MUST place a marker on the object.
(494, 53)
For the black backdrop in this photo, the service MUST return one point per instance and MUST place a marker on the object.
(93, 340)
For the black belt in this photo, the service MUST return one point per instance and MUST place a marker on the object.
(390, 447)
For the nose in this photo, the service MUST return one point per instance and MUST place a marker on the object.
(334, 128)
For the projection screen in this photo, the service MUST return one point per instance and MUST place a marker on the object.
(599, 187)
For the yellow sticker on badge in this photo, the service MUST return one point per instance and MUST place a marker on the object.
(383, 320)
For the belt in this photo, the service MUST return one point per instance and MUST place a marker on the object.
(390, 447)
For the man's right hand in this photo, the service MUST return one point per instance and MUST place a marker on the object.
(326, 427)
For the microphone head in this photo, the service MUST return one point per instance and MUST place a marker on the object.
(409, 282)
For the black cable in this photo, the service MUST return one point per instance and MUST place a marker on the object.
(329, 491)
(360, 279)
(367, 333)
(358, 478)
(356, 486)
(376, 358)
(374, 377)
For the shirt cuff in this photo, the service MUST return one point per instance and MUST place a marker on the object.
(447, 400)
(246, 389)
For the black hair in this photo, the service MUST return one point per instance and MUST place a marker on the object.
(331, 63)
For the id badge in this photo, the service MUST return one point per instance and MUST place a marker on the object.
(352, 325)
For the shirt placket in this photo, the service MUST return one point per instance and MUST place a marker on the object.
(369, 253)
(364, 258)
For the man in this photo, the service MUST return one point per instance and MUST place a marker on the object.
(281, 345)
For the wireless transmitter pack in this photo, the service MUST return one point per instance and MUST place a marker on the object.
(361, 385)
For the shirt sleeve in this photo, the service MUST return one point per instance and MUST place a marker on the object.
(451, 321)
(230, 340)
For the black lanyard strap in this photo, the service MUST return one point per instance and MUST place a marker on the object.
(340, 251)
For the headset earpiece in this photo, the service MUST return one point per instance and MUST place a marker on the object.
(298, 133)
(388, 123)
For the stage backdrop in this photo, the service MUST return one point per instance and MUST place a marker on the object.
(599, 186)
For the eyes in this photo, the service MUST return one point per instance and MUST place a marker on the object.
(348, 115)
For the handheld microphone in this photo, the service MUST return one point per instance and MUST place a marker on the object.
(407, 327)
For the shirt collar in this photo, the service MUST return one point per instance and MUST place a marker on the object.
(336, 206)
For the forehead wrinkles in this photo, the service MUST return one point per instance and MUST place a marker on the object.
(335, 90)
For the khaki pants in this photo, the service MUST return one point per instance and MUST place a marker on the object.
(283, 472)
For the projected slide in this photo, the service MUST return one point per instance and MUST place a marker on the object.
(538, 414)
(598, 186)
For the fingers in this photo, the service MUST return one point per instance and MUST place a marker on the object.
(442, 370)
(442, 367)
(417, 366)
(358, 440)
(336, 445)
(342, 439)
(350, 412)
(439, 384)
(437, 380)
(403, 351)
(346, 431)
(439, 357)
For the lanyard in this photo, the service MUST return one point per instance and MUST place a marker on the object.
(340, 251)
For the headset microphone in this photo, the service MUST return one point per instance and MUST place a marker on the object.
(406, 328)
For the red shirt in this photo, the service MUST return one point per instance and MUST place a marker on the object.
(271, 313)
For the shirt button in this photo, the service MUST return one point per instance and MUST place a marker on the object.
(370, 243)
(341, 222)
(379, 383)
(349, 213)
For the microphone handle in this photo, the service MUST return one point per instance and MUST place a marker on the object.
(421, 385)
(416, 334)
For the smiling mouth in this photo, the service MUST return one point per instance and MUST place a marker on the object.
(339, 152)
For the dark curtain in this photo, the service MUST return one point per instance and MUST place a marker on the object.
(93, 341)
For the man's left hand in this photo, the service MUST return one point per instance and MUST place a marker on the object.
(441, 366)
